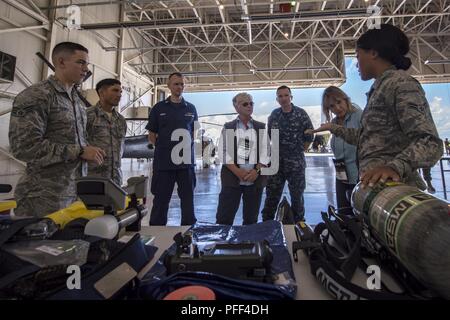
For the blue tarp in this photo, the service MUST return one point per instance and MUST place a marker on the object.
(156, 284)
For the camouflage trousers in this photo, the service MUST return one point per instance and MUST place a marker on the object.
(39, 207)
(426, 172)
(292, 171)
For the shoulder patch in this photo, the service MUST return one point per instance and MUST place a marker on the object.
(32, 98)
(21, 111)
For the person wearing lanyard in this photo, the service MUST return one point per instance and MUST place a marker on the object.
(106, 129)
(47, 131)
(165, 120)
(291, 121)
(348, 115)
(240, 176)
(397, 134)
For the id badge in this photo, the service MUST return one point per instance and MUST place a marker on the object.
(341, 171)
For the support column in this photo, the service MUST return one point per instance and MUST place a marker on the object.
(155, 94)
(121, 42)
(51, 38)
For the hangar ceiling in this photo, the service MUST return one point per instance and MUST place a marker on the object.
(240, 44)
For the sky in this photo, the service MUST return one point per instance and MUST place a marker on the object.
(438, 96)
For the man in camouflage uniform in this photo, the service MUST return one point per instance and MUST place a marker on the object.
(106, 129)
(291, 121)
(47, 130)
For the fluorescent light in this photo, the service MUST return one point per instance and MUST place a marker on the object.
(304, 16)
(306, 68)
(147, 24)
(186, 74)
(445, 61)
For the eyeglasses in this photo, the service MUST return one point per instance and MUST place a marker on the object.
(246, 104)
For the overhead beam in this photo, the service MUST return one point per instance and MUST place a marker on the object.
(237, 44)
(20, 26)
(22, 29)
(193, 22)
(19, 6)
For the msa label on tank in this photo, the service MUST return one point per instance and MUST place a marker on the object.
(382, 206)
(392, 221)
(397, 213)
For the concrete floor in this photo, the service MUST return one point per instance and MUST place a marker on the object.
(319, 193)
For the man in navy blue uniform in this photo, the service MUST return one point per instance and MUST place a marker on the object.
(291, 121)
(165, 117)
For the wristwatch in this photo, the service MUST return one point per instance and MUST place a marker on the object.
(258, 171)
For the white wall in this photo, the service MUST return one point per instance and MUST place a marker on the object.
(24, 45)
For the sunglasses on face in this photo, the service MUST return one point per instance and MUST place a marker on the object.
(246, 104)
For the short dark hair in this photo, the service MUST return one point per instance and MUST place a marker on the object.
(106, 83)
(70, 47)
(178, 74)
(389, 42)
(284, 87)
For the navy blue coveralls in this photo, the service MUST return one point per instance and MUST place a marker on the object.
(164, 118)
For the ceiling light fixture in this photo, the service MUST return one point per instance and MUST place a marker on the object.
(445, 61)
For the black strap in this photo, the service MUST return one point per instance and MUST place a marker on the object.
(16, 275)
(14, 227)
(326, 260)
(346, 232)
(339, 287)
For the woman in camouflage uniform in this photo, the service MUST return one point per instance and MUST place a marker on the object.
(397, 134)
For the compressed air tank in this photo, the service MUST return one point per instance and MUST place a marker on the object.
(414, 226)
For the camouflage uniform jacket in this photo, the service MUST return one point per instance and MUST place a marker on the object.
(108, 134)
(291, 126)
(47, 130)
(397, 129)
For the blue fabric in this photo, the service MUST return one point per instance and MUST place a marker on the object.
(165, 117)
(291, 126)
(156, 285)
(345, 151)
